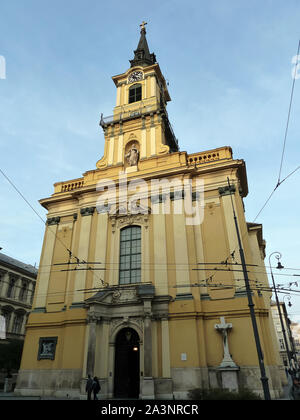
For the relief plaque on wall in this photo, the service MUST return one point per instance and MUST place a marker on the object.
(47, 346)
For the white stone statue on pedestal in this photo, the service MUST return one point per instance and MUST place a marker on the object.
(223, 328)
(227, 367)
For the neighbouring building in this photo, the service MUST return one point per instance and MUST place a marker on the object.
(145, 287)
(17, 285)
(285, 339)
(295, 328)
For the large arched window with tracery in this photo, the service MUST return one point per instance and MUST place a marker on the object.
(130, 255)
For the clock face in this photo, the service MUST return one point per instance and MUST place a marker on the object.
(135, 76)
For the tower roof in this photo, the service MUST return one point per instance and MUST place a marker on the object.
(142, 56)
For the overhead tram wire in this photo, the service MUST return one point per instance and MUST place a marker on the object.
(79, 262)
(288, 119)
(279, 181)
(71, 255)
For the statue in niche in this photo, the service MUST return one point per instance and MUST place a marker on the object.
(132, 156)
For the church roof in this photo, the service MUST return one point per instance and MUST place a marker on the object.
(142, 56)
(17, 265)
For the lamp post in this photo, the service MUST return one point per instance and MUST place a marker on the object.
(279, 267)
(264, 379)
(291, 338)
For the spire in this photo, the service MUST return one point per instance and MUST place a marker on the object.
(142, 56)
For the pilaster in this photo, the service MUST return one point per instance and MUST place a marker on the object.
(46, 262)
(83, 252)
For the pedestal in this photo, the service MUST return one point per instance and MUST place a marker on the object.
(229, 377)
(147, 392)
(8, 384)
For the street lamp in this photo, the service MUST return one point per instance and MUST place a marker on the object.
(289, 299)
(293, 357)
(279, 267)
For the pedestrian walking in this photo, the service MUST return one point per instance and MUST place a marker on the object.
(96, 387)
(89, 387)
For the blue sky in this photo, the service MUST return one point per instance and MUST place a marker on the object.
(228, 64)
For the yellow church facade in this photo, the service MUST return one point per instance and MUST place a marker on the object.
(140, 280)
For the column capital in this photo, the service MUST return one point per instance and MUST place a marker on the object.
(93, 319)
(227, 190)
(87, 211)
(53, 221)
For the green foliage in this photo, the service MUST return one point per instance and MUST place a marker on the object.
(10, 354)
(222, 394)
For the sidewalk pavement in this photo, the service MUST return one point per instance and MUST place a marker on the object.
(12, 396)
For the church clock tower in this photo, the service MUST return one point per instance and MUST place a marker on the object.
(140, 117)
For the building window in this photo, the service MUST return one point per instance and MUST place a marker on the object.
(135, 93)
(17, 325)
(281, 344)
(10, 288)
(23, 292)
(7, 316)
(130, 255)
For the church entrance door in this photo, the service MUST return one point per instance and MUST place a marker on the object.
(127, 364)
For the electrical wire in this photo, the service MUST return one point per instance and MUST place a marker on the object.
(288, 119)
(279, 181)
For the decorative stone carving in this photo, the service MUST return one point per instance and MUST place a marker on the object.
(120, 220)
(118, 323)
(47, 346)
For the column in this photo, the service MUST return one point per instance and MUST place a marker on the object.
(145, 254)
(148, 383)
(104, 348)
(160, 252)
(83, 252)
(111, 147)
(153, 86)
(225, 194)
(101, 243)
(45, 265)
(143, 142)
(166, 380)
(119, 95)
(120, 148)
(152, 139)
(113, 274)
(181, 250)
(147, 347)
(166, 371)
(3, 281)
(200, 256)
(30, 292)
(91, 350)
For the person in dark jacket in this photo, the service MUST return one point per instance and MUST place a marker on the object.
(96, 387)
(89, 387)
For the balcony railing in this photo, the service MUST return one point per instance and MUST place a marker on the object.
(210, 156)
(127, 113)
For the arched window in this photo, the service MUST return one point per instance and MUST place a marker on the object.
(130, 255)
(17, 325)
(10, 288)
(23, 292)
(135, 93)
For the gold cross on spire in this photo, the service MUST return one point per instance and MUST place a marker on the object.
(142, 25)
